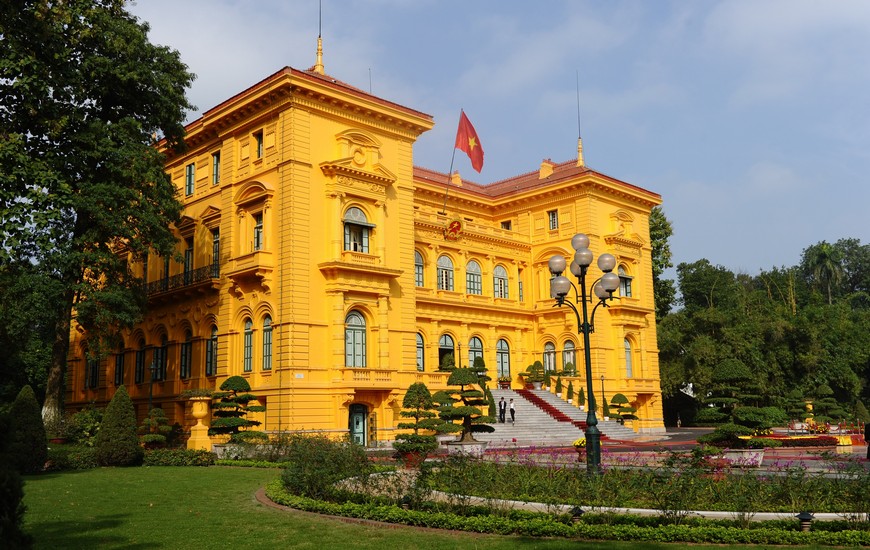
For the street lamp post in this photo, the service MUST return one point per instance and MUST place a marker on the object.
(602, 391)
(603, 289)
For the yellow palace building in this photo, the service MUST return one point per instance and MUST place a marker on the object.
(322, 265)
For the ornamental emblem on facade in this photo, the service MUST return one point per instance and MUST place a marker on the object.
(453, 230)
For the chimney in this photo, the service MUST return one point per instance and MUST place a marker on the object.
(546, 169)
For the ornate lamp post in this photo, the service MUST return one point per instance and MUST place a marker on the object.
(603, 289)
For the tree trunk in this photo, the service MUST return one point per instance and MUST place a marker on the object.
(52, 408)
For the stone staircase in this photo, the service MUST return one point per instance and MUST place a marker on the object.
(535, 426)
(610, 429)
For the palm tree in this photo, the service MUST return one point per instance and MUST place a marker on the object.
(824, 263)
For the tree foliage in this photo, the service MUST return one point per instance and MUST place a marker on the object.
(231, 409)
(27, 440)
(464, 404)
(795, 329)
(421, 410)
(83, 93)
(660, 231)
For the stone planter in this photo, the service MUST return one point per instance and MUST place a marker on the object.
(744, 458)
(504, 385)
(537, 385)
(199, 439)
(467, 448)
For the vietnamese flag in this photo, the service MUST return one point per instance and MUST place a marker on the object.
(467, 140)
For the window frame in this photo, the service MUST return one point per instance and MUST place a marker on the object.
(355, 340)
(248, 346)
(549, 357)
(569, 355)
(421, 353)
(475, 349)
(119, 368)
(267, 343)
(500, 283)
(189, 179)
(357, 230)
(418, 269)
(503, 358)
(473, 278)
(553, 219)
(216, 168)
(186, 356)
(629, 366)
(139, 365)
(624, 282)
(445, 273)
(258, 236)
(211, 352)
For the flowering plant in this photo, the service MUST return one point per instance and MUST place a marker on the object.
(504, 378)
(580, 443)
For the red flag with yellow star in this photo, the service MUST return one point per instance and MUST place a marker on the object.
(467, 140)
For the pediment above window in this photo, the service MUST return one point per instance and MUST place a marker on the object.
(211, 217)
(358, 168)
(252, 193)
(186, 227)
(623, 238)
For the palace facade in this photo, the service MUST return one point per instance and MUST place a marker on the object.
(326, 268)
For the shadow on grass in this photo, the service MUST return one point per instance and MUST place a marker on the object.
(82, 534)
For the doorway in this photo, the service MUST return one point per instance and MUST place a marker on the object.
(357, 424)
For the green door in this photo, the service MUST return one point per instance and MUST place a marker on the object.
(357, 424)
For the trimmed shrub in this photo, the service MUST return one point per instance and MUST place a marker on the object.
(27, 447)
(117, 443)
(727, 435)
(179, 457)
(12, 509)
(315, 463)
(71, 457)
(155, 429)
(231, 410)
(83, 426)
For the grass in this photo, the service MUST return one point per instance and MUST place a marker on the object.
(214, 507)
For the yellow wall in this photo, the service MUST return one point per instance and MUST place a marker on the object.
(327, 148)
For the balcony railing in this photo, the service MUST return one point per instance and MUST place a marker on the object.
(182, 280)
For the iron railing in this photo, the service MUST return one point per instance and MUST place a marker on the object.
(188, 278)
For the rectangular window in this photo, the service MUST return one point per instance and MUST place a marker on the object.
(500, 289)
(258, 140)
(267, 348)
(473, 284)
(188, 262)
(258, 231)
(553, 218)
(216, 168)
(119, 369)
(211, 354)
(249, 350)
(186, 359)
(356, 238)
(418, 274)
(140, 366)
(91, 376)
(506, 225)
(445, 279)
(189, 178)
(215, 253)
(521, 291)
(160, 361)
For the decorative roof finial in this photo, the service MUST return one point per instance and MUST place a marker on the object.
(318, 66)
(580, 161)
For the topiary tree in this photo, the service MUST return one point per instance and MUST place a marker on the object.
(155, 429)
(605, 410)
(12, 490)
(464, 405)
(116, 443)
(419, 407)
(448, 362)
(570, 369)
(570, 390)
(624, 410)
(558, 385)
(861, 413)
(230, 410)
(534, 373)
(581, 397)
(546, 378)
(28, 448)
(826, 406)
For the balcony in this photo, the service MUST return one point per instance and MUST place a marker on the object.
(368, 378)
(202, 279)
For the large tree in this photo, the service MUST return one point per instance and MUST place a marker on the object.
(660, 230)
(83, 97)
(823, 265)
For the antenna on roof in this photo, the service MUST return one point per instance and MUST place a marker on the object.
(318, 65)
(580, 161)
(370, 80)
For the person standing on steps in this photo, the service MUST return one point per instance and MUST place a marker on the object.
(513, 411)
(502, 408)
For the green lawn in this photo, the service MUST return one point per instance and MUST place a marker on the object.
(215, 507)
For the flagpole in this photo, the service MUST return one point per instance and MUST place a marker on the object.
(443, 211)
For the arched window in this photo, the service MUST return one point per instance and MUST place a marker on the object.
(186, 355)
(418, 269)
(569, 357)
(445, 273)
(119, 366)
(267, 343)
(140, 363)
(475, 350)
(549, 357)
(92, 371)
(211, 353)
(446, 352)
(624, 283)
(503, 358)
(628, 366)
(473, 283)
(500, 282)
(354, 340)
(356, 230)
(248, 348)
(420, 352)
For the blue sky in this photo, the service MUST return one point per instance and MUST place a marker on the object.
(750, 117)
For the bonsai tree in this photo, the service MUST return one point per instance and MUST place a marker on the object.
(231, 409)
(116, 443)
(559, 386)
(464, 405)
(624, 410)
(448, 362)
(534, 373)
(570, 390)
(155, 429)
(419, 408)
(27, 444)
(570, 369)
(827, 407)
